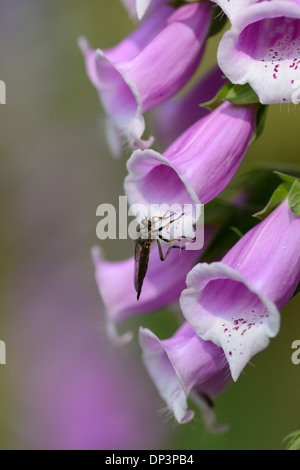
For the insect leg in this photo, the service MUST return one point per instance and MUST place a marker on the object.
(157, 218)
(171, 222)
(174, 239)
(164, 216)
(161, 255)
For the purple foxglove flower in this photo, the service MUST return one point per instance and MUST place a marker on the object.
(198, 165)
(162, 56)
(101, 72)
(162, 286)
(235, 303)
(184, 365)
(178, 114)
(263, 49)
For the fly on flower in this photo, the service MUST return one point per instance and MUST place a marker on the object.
(148, 234)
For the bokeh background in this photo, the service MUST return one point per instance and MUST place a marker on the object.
(64, 386)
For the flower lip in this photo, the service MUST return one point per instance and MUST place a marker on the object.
(140, 74)
(159, 364)
(152, 179)
(262, 49)
(185, 365)
(265, 10)
(223, 307)
(119, 96)
(132, 123)
(109, 67)
(162, 286)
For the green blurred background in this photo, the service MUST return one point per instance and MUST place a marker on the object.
(55, 171)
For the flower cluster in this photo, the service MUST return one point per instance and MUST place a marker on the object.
(230, 306)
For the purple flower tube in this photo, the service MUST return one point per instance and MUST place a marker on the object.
(235, 303)
(162, 286)
(148, 68)
(184, 365)
(198, 165)
(263, 48)
(178, 114)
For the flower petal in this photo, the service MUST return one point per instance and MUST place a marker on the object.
(268, 256)
(222, 307)
(169, 383)
(140, 73)
(175, 116)
(159, 75)
(120, 100)
(113, 137)
(181, 364)
(162, 286)
(263, 49)
(152, 179)
(198, 165)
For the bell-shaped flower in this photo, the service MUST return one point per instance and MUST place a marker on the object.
(162, 285)
(262, 48)
(235, 303)
(175, 116)
(184, 366)
(198, 165)
(147, 69)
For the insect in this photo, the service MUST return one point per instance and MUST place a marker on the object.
(147, 236)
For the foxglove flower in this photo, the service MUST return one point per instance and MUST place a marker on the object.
(235, 303)
(178, 114)
(263, 48)
(197, 166)
(162, 286)
(147, 69)
(184, 365)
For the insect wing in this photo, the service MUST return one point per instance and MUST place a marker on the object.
(142, 252)
(137, 259)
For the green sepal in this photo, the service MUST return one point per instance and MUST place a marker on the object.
(286, 178)
(242, 94)
(218, 99)
(236, 94)
(261, 116)
(294, 191)
(289, 188)
(237, 231)
(279, 195)
(293, 441)
(294, 197)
